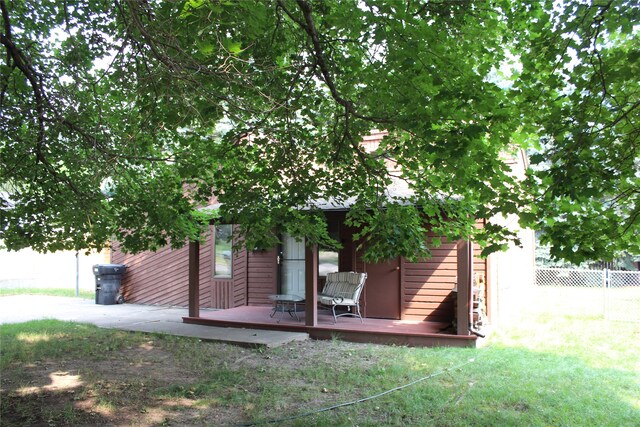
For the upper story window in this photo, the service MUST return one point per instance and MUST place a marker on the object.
(223, 251)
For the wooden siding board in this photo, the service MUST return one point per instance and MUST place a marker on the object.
(434, 264)
(240, 275)
(442, 318)
(151, 281)
(156, 295)
(432, 278)
(427, 291)
(172, 275)
(263, 295)
(448, 259)
(435, 276)
(176, 298)
(432, 305)
(430, 272)
(221, 293)
(261, 277)
(158, 270)
(158, 277)
(427, 284)
(431, 309)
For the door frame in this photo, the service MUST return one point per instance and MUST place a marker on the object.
(280, 263)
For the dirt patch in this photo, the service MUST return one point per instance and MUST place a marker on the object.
(305, 354)
(119, 390)
(160, 381)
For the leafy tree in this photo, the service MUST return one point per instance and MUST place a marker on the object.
(120, 118)
(583, 93)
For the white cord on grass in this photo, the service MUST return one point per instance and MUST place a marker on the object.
(364, 399)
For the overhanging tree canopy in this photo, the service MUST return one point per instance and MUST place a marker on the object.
(120, 118)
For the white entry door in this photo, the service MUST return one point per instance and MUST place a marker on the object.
(292, 266)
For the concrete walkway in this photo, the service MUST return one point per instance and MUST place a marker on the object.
(134, 317)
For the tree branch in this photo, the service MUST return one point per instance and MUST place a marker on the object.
(7, 27)
(309, 27)
(22, 62)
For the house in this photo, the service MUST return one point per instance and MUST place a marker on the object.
(442, 300)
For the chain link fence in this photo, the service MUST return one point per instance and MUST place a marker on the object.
(614, 295)
(622, 296)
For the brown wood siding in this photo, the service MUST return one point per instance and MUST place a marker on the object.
(221, 293)
(261, 276)
(239, 297)
(427, 285)
(162, 277)
(359, 264)
(155, 277)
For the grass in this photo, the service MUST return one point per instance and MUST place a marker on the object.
(543, 369)
(56, 292)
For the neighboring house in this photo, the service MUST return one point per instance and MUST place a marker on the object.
(438, 301)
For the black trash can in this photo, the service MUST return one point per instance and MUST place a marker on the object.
(108, 279)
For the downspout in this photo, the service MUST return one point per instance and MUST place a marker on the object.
(77, 275)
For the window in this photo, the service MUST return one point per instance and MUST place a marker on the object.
(327, 262)
(328, 259)
(222, 250)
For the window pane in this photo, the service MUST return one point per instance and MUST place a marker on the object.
(327, 262)
(328, 259)
(222, 251)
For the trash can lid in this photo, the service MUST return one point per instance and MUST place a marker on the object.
(109, 269)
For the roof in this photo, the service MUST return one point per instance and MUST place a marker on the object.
(398, 192)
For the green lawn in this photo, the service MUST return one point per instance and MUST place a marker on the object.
(543, 369)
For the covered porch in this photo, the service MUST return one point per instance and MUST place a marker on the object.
(379, 331)
(319, 324)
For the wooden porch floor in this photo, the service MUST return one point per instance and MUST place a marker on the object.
(380, 331)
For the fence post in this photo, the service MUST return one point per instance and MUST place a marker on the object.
(77, 274)
(605, 296)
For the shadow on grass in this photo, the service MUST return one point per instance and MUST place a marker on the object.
(47, 409)
(167, 383)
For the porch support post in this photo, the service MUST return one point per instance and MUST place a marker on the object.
(311, 285)
(465, 287)
(194, 279)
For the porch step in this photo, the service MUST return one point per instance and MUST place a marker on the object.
(237, 336)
